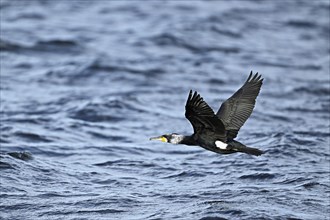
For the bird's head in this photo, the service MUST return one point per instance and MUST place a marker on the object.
(169, 138)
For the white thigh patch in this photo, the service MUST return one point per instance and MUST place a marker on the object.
(221, 145)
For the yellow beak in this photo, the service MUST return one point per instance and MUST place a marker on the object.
(160, 138)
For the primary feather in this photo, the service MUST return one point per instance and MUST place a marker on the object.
(237, 109)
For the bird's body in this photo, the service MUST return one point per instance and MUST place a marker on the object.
(216, 132)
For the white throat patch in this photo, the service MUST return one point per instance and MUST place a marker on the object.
(176, 138)
(221, 145)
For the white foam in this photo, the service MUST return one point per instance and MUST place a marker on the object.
(221, 145)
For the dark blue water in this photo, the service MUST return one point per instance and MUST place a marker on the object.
(84, 84)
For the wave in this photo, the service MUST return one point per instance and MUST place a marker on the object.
(25, 156)
(111, 111)
(290, 65)
(125, 162)
(185, 174)
(259, 176)
(6, 161)
(213, 218)
(301, 24)
(319, 91)
(4, 165)
(32, 137)
(167, 39)
(49, 46)
(101, 65)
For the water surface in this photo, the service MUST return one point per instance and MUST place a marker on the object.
(84, 84)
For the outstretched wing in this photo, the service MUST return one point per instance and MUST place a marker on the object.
(237, 109)
(202, 117)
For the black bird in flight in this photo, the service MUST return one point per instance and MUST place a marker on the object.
(216, 132)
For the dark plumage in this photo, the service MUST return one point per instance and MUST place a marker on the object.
(237, 109)
(216, 132)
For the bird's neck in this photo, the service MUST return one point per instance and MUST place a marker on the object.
(187, 140)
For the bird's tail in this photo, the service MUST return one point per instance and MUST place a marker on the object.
(251, 150)
(237, 146)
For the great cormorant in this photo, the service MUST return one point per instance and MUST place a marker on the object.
(216, 132)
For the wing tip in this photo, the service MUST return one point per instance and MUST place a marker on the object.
(254, 78)
(193, 97)
(250, 75)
